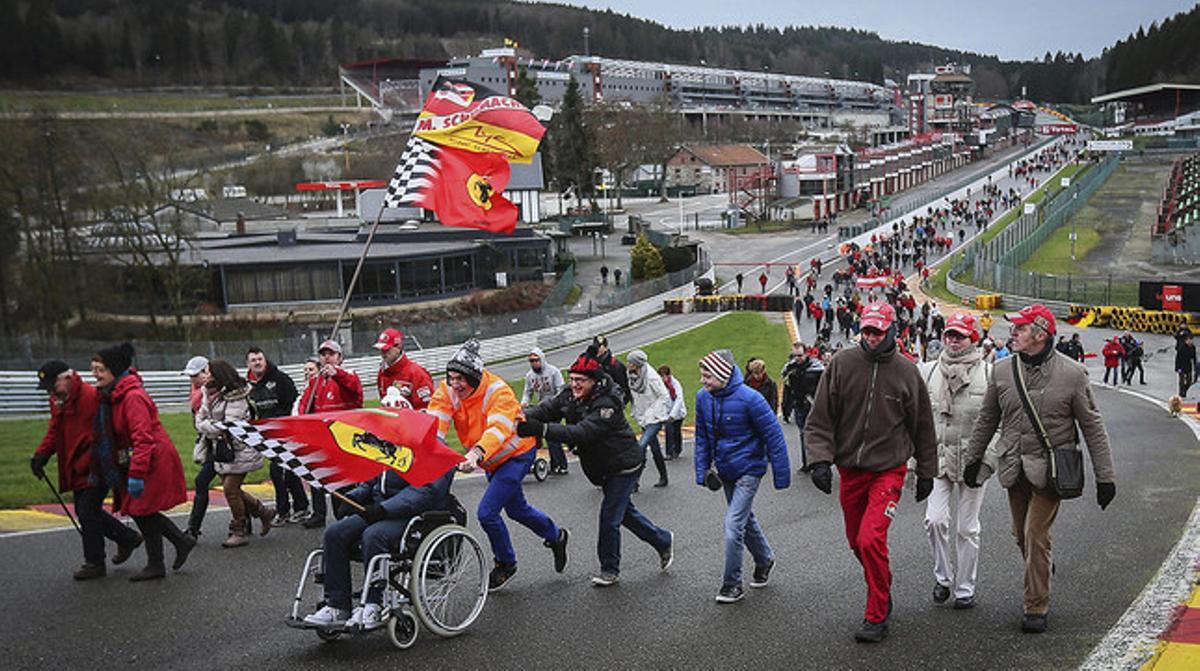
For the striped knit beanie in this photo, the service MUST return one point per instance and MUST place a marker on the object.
(719, 364)
(467, 362)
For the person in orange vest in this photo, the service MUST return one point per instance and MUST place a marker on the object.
(485, 412)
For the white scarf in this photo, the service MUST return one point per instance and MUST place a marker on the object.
(956, 374)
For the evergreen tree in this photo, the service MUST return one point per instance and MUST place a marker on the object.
(574, 154)
(645, 261)
(526, 90)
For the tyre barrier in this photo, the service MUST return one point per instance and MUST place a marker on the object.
(1134, 319)
(987, 302)
(730, 303)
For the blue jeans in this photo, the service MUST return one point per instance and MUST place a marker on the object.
(340, 537)
(617, 510)
(674, 435)
(650, 437)
(558, 459)
(742, 530)
(97, 524)
(204, 478)
(504, 492)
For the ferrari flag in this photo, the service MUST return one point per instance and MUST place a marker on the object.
(476, 119)
(462, 187)
(335, 449)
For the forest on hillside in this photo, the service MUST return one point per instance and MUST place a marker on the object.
(104, 43)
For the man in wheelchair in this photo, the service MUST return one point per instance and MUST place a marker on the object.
(389, 503)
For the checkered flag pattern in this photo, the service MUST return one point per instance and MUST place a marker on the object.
(304, 466)
(414, 173)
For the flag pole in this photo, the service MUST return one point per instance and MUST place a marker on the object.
(358, 507)
(357, 270)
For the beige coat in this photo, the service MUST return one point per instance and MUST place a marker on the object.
(233, 406)
(1059, 390)
(954, 430)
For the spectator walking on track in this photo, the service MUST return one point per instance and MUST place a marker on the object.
(651, 407)
(544, 380)
(273, 394)
(737, 434)
(68, 439)
(957, 381)
(484, 411)
(411, 383)
(1113, 353)
(593, 408)
(334, 388)
(674, 428)
(801, 375)
(599, 351)
(1059, 406)
(758, 380)
(135, 458)
(197, 372)
(1185, 361)
(871, 414)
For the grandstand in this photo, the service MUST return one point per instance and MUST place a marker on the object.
(399, 86)
(1174, 238)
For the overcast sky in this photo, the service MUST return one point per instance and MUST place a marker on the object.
(1010, 29)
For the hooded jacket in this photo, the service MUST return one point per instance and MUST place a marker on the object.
(153, 457)
(596, 427)
(69, 435)
(800, 381)
(542, 384)
(872, 412)
(736, 430)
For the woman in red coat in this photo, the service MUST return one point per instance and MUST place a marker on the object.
(1112, 359)
(133, 453)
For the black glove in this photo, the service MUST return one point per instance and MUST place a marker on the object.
(530, 427)
(1105, 493)
(712, 480)
(37, 464)
(786, 418)
(971, 473)
(373, 513)
(924, 487)
(822, 477)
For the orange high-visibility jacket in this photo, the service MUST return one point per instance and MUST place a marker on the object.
(487, 418)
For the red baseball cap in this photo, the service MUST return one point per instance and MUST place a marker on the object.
(963, 323)
(388, 339)
(877, 315)
(1037, 314)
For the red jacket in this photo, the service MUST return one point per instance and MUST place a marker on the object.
(343, 391)
(154, 458)
(69, 435)
(412, 379)
(1112, 354)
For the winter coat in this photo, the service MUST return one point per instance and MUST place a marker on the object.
(766, 387)
(872, 412)
(233, 406)
(1113, 352)
(678, 405)
(273, 394)
(69, 436)
(343, 391)
(800, 381)
(617, 372)
(954, 430)
(411, 378)
(736, 430)
(652, 405)
(487, 419)
(153, 457)
(400, 500)
(1059, 390)
(1185, 356)
(596, 427)
(542, 384)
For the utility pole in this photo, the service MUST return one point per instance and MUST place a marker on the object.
(586, 48)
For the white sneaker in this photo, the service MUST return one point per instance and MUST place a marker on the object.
(280, 520)
(366, 617)
(328, 616)
(297, 517)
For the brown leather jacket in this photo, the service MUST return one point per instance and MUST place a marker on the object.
(872, 412)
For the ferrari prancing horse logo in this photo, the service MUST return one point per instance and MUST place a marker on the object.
(480, 190)
(369, 446)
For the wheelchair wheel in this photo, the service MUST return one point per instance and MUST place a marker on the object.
(402, 628)
(449, 582)
(328, 636)
(541, 469)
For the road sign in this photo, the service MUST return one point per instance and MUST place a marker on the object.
(1110, 145)
(1065, 182)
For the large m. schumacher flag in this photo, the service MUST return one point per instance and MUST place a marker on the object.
(456, 161)
(336, 449)
(477, 119)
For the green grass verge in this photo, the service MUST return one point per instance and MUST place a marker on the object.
(747, 334)
(1054, 256)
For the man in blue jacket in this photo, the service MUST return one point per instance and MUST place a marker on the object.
(388, 504)
(737, 432)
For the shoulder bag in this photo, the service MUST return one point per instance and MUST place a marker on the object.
(1065, 464)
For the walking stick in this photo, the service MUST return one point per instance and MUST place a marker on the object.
(63, 504)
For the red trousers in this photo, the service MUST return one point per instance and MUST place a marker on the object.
(869, 501)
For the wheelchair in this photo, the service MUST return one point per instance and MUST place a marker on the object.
(436, 578)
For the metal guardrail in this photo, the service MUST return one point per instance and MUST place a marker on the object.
(19, 394)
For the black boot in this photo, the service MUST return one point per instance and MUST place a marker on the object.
(661, 465)
(184, 543)
(152, 533)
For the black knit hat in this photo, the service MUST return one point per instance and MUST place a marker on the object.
(49, 372)
(467, 362)
(117, 359)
